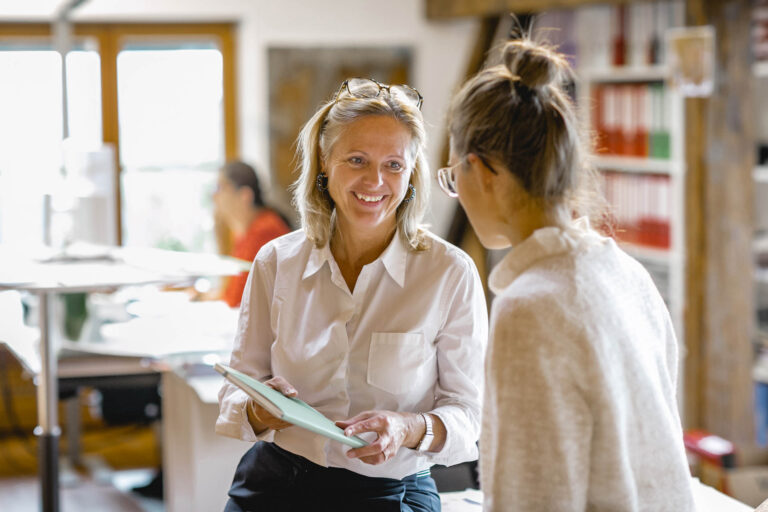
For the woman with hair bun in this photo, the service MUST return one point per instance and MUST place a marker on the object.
(581, 369)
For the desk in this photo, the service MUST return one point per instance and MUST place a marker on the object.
(45, 272)
(199, 465)
(707, 500)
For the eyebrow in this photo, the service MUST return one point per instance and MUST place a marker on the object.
(393, 155)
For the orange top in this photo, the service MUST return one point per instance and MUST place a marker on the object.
(264, 227)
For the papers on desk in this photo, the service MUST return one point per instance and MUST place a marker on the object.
(470, 500)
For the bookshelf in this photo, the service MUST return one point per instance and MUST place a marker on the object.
(646, 192)
(709, 188)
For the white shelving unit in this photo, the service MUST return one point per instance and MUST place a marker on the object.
(635, 164)
(617, 75)
(760, 69)
(669, 261)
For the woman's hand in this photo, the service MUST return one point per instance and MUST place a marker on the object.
(395, 429)
(259, 418)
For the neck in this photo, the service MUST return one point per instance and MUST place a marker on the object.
(242, 219)
(531, 217)
(353, 252)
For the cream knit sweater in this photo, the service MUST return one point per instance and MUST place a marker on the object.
(580, 410)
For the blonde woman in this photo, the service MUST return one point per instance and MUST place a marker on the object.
(364, 315)
(581, 371)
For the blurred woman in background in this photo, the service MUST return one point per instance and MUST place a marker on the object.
(239, 206)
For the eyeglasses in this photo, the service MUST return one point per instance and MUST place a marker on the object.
(369, 88)
(446, 176)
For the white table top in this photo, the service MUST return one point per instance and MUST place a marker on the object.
(87, 267)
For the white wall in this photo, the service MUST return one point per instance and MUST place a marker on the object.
(441, 50)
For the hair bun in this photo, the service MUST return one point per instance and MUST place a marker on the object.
(535, 65)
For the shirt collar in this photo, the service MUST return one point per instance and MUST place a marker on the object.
(393, 258)
(543, 243)
(317, 258)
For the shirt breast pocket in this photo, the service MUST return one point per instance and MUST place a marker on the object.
(401, 363)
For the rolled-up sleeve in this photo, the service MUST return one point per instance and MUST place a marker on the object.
(251, 352)
(461, 346)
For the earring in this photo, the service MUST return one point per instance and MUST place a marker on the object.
(322, 182)
(413, 194)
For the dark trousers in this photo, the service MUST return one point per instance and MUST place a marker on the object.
(269, 478)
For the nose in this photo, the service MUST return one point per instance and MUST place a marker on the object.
(373, 176)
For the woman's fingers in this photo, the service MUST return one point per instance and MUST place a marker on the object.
(375, 448)
(390, 428)
(266, 418)
(282, 385)
(260, 418)
(347, 424)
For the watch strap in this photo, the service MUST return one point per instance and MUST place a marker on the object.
(429, 435)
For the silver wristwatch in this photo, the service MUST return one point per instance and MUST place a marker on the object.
(429, 435)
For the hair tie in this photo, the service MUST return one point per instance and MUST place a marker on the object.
(522, 90)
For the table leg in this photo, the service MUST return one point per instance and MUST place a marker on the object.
(48, 430)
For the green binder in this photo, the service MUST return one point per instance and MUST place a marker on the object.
(288, 409)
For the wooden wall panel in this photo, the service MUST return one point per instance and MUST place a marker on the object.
(302, 79)
(720, 318)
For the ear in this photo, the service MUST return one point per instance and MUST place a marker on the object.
(485, 177)
(245, 194)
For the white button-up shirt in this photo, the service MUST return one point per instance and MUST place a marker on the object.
(410, 338)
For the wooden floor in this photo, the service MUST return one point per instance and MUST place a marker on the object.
(21, 494)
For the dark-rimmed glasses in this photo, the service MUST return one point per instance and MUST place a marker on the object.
(370, 88)
(446, 176)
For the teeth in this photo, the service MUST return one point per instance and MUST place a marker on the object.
(367, 198)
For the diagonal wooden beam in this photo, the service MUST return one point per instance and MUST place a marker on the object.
(460, 232)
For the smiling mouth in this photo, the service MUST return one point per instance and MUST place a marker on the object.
(368, 199)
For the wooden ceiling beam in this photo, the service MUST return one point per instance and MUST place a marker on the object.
(445, 9)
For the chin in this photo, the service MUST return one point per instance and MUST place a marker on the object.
(492, 240)
(495, 242)
(366, 221)
(488, 238)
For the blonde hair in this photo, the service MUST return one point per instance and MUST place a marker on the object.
(315, 144)
(519, 114)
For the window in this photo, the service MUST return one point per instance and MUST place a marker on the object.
(171, 141)
(31, 150)
(161, 96)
